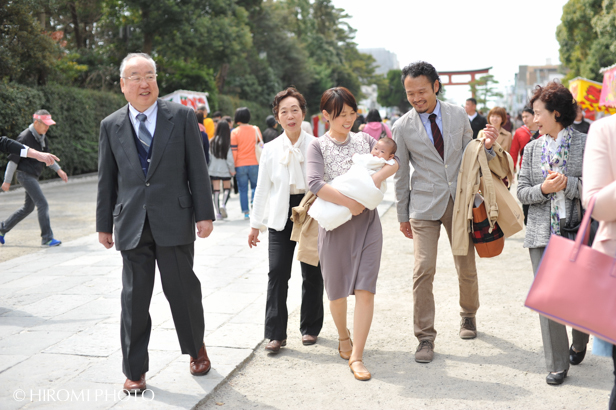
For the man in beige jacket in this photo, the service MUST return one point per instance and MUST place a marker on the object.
(432, 136)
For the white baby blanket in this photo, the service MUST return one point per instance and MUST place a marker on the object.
(357, 184)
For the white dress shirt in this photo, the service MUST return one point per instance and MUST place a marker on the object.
(150, 122)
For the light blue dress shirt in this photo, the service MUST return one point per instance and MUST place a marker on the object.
(425, 119)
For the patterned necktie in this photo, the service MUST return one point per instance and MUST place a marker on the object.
(437, 136)
(144, 135)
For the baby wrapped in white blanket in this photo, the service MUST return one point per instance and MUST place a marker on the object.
(357, 184)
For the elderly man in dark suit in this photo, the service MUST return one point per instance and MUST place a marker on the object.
(153, 185)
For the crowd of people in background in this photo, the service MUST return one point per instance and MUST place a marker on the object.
(279, 170)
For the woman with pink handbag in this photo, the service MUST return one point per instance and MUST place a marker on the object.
(548, 183)
(600, 183)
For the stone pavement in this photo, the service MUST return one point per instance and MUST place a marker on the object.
(60, 311)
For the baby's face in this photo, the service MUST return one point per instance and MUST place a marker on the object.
(382, 150)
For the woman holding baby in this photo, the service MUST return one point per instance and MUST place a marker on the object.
(350, 255)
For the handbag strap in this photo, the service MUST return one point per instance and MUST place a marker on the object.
(584, 230)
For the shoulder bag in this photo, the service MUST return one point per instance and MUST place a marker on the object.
(575, 284)
(488, 242)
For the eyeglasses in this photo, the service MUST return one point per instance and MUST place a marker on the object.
(136, 79)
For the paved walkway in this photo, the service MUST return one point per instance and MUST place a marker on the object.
(60, 311)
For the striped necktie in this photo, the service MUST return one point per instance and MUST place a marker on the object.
(144, 135)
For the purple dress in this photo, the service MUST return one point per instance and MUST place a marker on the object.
(350, 255)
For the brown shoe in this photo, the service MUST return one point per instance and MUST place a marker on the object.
(346, 354)
(425, 352)
(468, 328)
(274, 345)
(359, 370)
(135, 387)
(201, 365)
(308, 340)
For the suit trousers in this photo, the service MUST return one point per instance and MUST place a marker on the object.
(281, 249)
(554, 335)
(425, 243)
(181, 288)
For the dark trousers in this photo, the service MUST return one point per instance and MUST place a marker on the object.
(613, 396)
(181, 288)
(34, 197)
(281, 249)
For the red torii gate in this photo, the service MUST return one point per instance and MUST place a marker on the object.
(472, 73)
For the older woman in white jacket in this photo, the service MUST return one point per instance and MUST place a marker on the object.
(282, 180)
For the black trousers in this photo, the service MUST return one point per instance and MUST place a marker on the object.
(181, 288)
(281, 249)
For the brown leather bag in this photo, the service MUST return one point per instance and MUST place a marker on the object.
(488, 242)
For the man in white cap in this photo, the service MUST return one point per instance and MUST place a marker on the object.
(28, 172)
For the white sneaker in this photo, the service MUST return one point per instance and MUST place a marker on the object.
(223, 211)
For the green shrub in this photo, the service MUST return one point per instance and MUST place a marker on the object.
(77, 112)
(228, 104)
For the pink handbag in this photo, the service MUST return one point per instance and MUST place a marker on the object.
(576, 285)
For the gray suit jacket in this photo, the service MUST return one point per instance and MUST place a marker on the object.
(175, 193)
(434, 180)
(529, 188)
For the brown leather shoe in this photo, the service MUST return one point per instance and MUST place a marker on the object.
(468, 328)
(424, 352)
(308, 340)
(135, 387)
(359, 370)
(201, 365)
(274, 345)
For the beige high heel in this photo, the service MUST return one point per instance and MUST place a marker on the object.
(346, 355)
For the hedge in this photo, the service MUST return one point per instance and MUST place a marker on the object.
(78, 113)
(228, 104)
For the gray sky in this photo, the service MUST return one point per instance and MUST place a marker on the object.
(461, 35)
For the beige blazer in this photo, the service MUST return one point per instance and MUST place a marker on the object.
(599, 171)
(434, 180)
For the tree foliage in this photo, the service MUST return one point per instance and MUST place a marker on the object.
(483, 90)
(391, 92)
(587, 37)
(247, 49)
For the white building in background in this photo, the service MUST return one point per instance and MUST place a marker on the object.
(528, 77)
(385, 61)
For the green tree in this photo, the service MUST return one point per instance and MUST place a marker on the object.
(391, 92)
(27, 54)
(576, 36)
(483, 89)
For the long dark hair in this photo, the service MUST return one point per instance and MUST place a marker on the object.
(222, 140)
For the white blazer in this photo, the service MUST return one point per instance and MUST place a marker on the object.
(273, 184)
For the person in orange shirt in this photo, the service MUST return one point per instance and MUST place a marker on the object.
(243, 140)
(208, 123)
